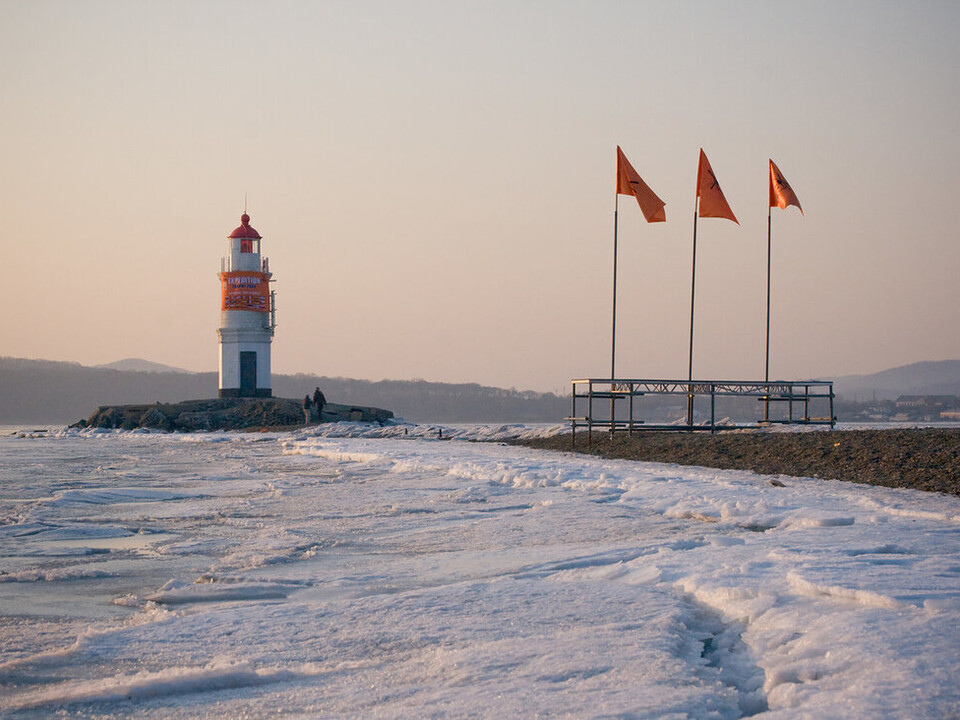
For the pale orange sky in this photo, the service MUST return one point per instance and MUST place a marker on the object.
(434, 183)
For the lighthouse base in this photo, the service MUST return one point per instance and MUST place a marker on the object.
(238, 393)
(245, 363)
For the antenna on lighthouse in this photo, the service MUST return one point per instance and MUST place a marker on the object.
(244, 203)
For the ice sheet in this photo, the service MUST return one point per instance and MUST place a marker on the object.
(358, 571)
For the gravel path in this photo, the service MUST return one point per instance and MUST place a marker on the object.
(923, 459)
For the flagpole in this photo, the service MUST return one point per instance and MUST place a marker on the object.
(693, 287)
(766, 372)
(613, 341)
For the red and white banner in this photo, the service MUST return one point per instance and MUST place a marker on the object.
(245, 291)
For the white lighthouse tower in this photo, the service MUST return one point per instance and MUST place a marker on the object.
(247, 316)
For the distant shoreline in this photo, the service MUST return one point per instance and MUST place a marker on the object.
(920, 458)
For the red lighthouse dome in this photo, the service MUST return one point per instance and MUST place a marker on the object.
(245, 231)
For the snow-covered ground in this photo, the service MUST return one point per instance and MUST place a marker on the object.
(338, 574)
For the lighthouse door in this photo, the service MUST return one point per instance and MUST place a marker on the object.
(248, 374)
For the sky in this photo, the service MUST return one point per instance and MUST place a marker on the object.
(434, 183)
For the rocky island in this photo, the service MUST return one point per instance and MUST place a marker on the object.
(224, 414)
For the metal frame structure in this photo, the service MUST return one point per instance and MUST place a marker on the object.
(794, 395)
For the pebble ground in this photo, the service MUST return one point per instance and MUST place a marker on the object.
(923, 459)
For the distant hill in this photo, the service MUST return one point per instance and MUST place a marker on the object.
(141, 365)
(922, 378)
(43, 391)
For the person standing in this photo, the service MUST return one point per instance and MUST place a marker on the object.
(319, 400)
(306, 409)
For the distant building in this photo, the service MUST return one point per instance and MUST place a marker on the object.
(928, 407)
(247, 316)
(944, 402)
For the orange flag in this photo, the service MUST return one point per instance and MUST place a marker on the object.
(781, 194)
(629, 183)
(712, 201)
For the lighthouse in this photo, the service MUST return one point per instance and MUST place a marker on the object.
(247, 316)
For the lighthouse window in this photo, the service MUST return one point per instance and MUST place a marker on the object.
(246, 246)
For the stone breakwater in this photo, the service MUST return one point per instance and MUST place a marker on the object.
(224, 414)
(921, 458)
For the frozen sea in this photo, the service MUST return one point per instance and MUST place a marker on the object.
(386, 573)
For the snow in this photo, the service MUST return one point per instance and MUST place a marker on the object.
(408, 571)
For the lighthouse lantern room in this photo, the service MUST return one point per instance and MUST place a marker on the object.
(247, 316)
